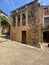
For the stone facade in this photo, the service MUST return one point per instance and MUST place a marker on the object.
(28, 18)
(4, 22)
(43, 12)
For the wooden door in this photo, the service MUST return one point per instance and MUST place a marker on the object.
(24, 37)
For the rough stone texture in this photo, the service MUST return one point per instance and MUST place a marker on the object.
(35, 27)
(34, 30)
(16, 32)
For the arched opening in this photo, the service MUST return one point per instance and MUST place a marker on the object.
(46, 36)
(5, 28)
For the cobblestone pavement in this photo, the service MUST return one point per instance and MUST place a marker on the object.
(14, 53)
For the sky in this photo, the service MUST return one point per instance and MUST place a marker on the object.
(9, 5)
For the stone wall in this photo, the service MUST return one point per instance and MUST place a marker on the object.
(34, 31)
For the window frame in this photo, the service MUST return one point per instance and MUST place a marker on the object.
(24, 16)
(43, 20)
(31, 15)
(14, 21)
(23, 19)
(18, 22)
(46, 10)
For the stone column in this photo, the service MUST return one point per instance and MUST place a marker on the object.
(16, 20)
(20, 19)
(26, 17)
(11, 27)
(11, 22)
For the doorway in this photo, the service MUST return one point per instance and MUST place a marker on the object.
(46, 36)
(24, 37)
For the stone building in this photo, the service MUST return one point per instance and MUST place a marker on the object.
(4, 23)
(29, 24)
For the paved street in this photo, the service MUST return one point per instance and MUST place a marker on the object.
(14, 53)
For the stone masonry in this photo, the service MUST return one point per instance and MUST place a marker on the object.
(32, 26)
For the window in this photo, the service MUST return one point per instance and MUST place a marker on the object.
(46, 21)
(23, 19)
(23, 16)
(14, 21)
(18, 23)
(30, 14)
(45, 10)
(30, 17)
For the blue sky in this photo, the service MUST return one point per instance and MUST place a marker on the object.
(8, 5)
